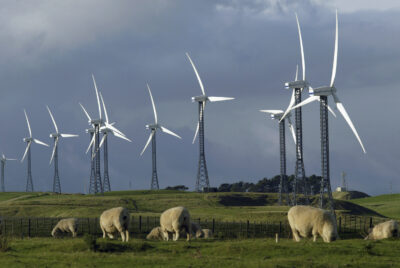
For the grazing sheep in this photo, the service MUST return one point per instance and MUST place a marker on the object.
(115, 220)
(306, 221)
(175, 220)
(204, 233)
(69, 225)
(155, 234)
(384, 230)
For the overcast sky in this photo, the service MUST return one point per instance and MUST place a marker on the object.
(242, 49)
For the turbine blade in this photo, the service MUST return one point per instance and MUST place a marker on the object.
(303, 64)
(104, 107)
(103, 139)
(91, 142)
(297, 72)
(12, 159)
(40, 142)
(213, 99)
(196, 132)
(197, 74)
(346, 117)
(152, 102)
(69, 135)
(97, 95)
(306, 101)
(116, 134)
(84, 110)
(54, 151)
(52, 119)
(335, 54)
(292, 129)
(148, 142)
(291, 103)
(165, 130)
(26, 151)
(27, 122)
(114, 129)
(271, 111)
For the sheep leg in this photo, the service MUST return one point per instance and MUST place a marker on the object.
(296, 235)
(166, 235)
(126, 235)
(176, 235)
(104, 231)
(122, 236)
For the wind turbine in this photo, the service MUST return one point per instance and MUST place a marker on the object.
(95, 185)
(29, 140)
(54, 154)
(105, 129)
(202, 181)
(297, 88)
(154, 127)
(277, 115)
(3, 160)
(322, 94)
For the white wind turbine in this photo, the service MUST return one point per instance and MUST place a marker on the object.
(29, 140)
(202, 181)
(105, 129)
(54, 155)
(3, 160)
(322, 94)
(154, 127)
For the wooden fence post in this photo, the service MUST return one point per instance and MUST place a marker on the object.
(340, 224)
(370, 222)
(140, 223)
(280, 229)
(247, 229)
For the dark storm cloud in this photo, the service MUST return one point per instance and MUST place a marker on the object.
(243, 49)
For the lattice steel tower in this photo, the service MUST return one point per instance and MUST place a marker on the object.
(98, 186)
(56, 179)
(29, 182)
(106, 179)
(202, 180)
(283, 184)
(153, 128)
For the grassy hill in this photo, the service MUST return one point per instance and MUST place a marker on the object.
(221, 206)
(349, 195)
(387, 205)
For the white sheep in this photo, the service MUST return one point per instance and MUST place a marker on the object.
(115, 220)
(155, 234)
(175, 220)
(204, 233)
(69, 225)
(384, 230)
(306, 221)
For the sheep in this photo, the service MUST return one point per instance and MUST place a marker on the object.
(384, 230)
(204, 233)
(155, 234)
(69, 225)
(306, 221)
(115, 220)
(175, 220)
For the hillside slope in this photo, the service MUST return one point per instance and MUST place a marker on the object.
(387, 205)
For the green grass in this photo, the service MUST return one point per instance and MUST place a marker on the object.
(220, 206)
(42, 252)
(387, 205)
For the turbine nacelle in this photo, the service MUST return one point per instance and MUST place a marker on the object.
(27, 139)
(96, 122)
(153, 126)
(202, 98)
(55, 135)
(296, 84)
(322, 91)
(90, 130)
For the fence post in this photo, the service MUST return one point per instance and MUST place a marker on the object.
(247, 229)
(140, 223)
(370, 222)
(340, 224)
(280, 228)
(147, 222)
(213, 226)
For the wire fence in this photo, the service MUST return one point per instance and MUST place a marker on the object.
(349, 226)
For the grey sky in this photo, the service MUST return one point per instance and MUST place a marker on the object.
(244, 49)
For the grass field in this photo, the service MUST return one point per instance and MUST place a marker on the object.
(387, 205)
(46, 252)
(221, 206)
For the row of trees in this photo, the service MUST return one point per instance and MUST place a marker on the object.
(264, 185)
